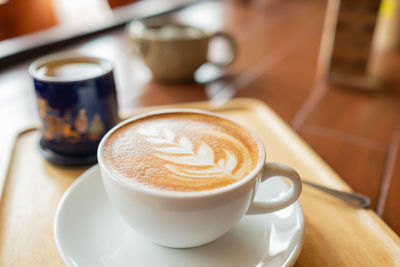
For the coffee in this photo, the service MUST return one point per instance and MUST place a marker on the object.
(173, 52)
(173, 32)
(181, 154)
(77, 103)
(181, 151)
(73, 68)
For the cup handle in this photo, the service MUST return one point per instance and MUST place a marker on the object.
(278, 169)
(233, 48)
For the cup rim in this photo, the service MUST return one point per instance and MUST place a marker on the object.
(132, 29)
(106, 65)
(182, 194)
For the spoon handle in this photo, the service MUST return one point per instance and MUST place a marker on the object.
(354, 199)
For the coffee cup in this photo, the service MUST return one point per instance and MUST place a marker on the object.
(77, 102)
(173, 51)
(183, 178)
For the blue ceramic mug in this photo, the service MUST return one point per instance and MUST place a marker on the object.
(77, 104)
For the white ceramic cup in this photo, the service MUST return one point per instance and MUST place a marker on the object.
(190, 219)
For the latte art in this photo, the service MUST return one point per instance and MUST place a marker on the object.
(181, 152)
(180, 156)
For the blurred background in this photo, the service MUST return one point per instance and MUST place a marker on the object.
(330, 69)
(22, 17)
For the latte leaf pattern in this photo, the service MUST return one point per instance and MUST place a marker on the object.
(183, 160)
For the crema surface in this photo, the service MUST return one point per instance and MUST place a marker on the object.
(181, 152)
(70, 69)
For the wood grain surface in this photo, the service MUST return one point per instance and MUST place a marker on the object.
(335, 233)
(355, 132)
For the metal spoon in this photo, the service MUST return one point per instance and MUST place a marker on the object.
(354, 199)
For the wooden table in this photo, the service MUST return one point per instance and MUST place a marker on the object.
(336, 234)
(357, 133)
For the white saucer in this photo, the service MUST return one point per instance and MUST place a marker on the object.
(88, 232)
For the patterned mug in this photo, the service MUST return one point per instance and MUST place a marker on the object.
(77, 104)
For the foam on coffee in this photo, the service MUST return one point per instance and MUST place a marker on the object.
(71, 68)
(181, 152)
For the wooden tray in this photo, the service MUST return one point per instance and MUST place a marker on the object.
(335, 235)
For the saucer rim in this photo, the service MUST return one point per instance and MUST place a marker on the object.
(290, 261)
